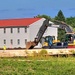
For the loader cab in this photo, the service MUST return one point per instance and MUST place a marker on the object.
(47, 38)
(70, 37)
(48, 41)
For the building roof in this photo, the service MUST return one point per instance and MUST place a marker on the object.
(17, 22)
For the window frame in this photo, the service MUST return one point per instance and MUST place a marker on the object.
(18, 30)
(11, 41)
(4, 30)
(4, 41)
(25, 29)
(18, 41)
(25, 41)
(11, 30)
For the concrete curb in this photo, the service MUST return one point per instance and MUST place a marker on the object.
(24, 52)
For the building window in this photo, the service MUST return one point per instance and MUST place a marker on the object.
(4, 41)
(18, 41)
(18, 30)
(11, 41)
(25, 29)
(25, 41)
(11, 30)
(4, 30)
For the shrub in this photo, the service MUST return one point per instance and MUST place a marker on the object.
(43, 52)
(35, 53)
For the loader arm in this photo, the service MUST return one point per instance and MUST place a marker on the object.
(42, 30)
(63, 25)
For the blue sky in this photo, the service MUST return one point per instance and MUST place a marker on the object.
(31, 8)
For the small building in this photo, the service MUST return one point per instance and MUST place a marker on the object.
(14, 33)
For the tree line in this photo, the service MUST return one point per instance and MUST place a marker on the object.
(60, 16)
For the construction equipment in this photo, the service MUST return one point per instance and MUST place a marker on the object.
(50, 43)
(56, 24)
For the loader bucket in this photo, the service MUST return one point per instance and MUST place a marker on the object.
(30, 45)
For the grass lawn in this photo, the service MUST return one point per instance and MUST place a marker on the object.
(37, 66)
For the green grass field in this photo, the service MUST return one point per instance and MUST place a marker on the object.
(37, 66)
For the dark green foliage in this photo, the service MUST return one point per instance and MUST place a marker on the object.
(60, 16)
(71, 21)
(44, 16)
(43, 52)
(61, 33)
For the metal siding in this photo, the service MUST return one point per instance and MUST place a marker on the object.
(15, 35)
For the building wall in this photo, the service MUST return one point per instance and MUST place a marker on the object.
(14, 36)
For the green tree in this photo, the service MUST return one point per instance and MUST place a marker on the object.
(60, 17)
(71, 21)
(44, 16)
